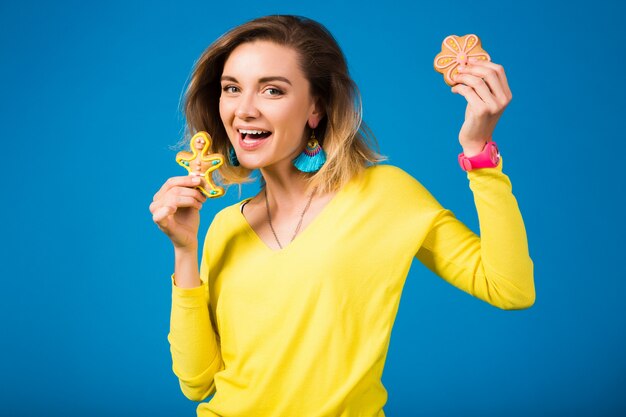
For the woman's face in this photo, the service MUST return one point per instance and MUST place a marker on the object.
(266, 104)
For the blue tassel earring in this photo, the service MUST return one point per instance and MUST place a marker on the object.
(312, 157)
(232, 157)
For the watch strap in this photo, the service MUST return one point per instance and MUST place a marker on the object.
(487, 158)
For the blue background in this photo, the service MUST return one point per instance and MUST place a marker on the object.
(85, 272)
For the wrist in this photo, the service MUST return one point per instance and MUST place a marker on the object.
(185, 251)
(186, 269)
(473, 149)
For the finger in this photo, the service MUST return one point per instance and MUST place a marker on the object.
(184, 201)
(188, 192)
(160, 215)
(472, 98)
(499, 70)
(153, 207)
(490, 78)
(481, 89)
(177, 192)
(185, 181)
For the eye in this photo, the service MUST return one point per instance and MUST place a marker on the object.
(273, 91)
(230, 89)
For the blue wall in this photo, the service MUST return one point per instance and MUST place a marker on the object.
(85, 273)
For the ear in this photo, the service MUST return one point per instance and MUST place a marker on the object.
(316, 115)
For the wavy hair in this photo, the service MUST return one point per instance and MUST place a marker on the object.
(349, 144)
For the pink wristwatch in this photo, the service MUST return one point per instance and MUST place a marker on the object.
(487, 158)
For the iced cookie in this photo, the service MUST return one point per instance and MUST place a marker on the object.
(201, 163)
(455, 51)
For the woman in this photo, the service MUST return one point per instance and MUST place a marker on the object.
(292, 309)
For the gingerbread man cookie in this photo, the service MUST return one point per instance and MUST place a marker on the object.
(455, 51)
(201, 163)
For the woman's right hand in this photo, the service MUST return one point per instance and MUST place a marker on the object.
(175, 210)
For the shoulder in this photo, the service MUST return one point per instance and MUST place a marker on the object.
(231, 211)
(225, 222)
(391, 177)
(385, 170)
(226, 217)
(393, 185)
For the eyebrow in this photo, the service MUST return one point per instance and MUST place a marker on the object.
(261, 80)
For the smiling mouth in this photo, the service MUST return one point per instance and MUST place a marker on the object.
(252, 136)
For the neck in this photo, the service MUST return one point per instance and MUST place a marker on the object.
(286, 188)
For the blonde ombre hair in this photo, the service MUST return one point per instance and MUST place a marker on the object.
(348, 142)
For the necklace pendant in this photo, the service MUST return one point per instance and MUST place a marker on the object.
(269, 218)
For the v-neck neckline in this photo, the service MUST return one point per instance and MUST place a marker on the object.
(305, 232)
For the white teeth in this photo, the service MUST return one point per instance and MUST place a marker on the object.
(252, 132)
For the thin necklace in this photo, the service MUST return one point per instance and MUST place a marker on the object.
(269, 217)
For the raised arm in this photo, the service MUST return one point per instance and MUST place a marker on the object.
(495, 267)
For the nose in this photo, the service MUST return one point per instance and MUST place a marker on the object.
(246, 108)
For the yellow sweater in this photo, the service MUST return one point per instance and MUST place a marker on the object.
(304, 331)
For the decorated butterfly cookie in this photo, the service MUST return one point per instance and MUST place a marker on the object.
(455, 51)
(201, 163)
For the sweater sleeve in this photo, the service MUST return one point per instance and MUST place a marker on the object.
(196, 354)
(495, 267)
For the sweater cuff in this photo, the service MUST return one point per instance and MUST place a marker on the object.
(481, 175)
(189, 297)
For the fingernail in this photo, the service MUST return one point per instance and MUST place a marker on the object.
(473, 60)
(196, 180)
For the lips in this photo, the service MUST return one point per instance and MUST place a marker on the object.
(250, 139)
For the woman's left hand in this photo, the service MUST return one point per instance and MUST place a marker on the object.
(486, 89)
